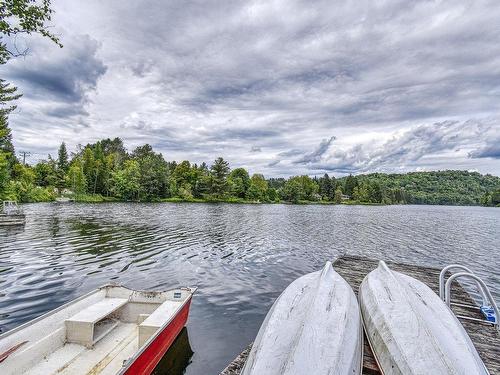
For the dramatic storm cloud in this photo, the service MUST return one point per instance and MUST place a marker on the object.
(279, 87)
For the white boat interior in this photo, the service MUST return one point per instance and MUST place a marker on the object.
(96, 333)
(411, 330)
(314, 327)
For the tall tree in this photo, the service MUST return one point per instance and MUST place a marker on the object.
(258, 188)
(375, 192)
(4, 174)
(126, 182)
(325, 187)
(183, 179)
(45, 173)
(100, 170)
(6, 146)
(23, 184)
(76, 178)
(309, 188)
(202, 179)
(350, 183)
(495, 197)
(114, 146)
(219, 171)
(292, 190)
(153, 173)
(62, 158)
(239, 181)
(7, 96)
(338, 195)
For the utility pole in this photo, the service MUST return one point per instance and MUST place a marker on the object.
(25, 153)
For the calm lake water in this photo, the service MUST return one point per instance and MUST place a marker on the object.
(240, 256)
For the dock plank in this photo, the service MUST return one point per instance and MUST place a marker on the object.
(353, 269)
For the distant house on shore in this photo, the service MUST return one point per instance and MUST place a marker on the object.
(345, 197)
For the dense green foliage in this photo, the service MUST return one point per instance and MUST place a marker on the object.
(106, 171)
(442, 187)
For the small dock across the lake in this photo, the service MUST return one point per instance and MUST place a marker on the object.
(353, 269)
(11, 214)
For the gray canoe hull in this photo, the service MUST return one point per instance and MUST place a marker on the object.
(410, 329)
(314, 327)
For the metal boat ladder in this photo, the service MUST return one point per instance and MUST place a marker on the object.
(10, 208)
(488, 305)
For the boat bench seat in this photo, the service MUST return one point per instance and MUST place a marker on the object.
(157, 319)
(90, 325)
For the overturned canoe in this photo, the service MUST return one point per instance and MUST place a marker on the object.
(112, 330)
(314, 327)
(411, 331)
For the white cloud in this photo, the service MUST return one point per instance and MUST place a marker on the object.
(199, 80)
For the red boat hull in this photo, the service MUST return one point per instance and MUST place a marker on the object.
(147, 360)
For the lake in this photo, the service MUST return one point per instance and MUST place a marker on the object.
(240, 256)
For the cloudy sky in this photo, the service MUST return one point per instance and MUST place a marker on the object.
(280, 87)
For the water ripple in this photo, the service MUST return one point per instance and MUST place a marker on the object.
(241, 256)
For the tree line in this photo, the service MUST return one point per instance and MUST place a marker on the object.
(105, 170)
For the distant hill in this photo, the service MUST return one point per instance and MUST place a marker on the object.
(439, 187)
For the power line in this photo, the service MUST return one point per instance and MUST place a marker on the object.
(25, 153)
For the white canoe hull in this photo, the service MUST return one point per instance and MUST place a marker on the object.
(411, 331)
(314, 327)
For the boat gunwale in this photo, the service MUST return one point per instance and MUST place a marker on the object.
(146, 345)
(50, 312)
(365, 331)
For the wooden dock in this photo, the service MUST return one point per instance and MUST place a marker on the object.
(12, 219)
(353, 269)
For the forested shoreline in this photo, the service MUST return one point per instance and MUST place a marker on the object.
(106, 171)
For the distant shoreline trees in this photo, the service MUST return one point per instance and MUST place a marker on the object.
(106, 171)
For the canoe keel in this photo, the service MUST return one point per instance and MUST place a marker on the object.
(314, 327)
(411, 331)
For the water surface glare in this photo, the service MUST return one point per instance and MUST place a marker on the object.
(240, 256)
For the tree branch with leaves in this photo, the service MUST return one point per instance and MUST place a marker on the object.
(24, 17)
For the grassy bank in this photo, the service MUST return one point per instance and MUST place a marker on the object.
(97, 198)
(92, 198)
(213, 200)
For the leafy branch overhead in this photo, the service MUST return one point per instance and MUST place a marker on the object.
(25, 17)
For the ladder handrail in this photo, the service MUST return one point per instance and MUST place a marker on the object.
(10, 207)
(480, 284)
(442, 276)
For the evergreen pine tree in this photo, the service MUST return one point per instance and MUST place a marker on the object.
(219, 172)
(62, 159)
